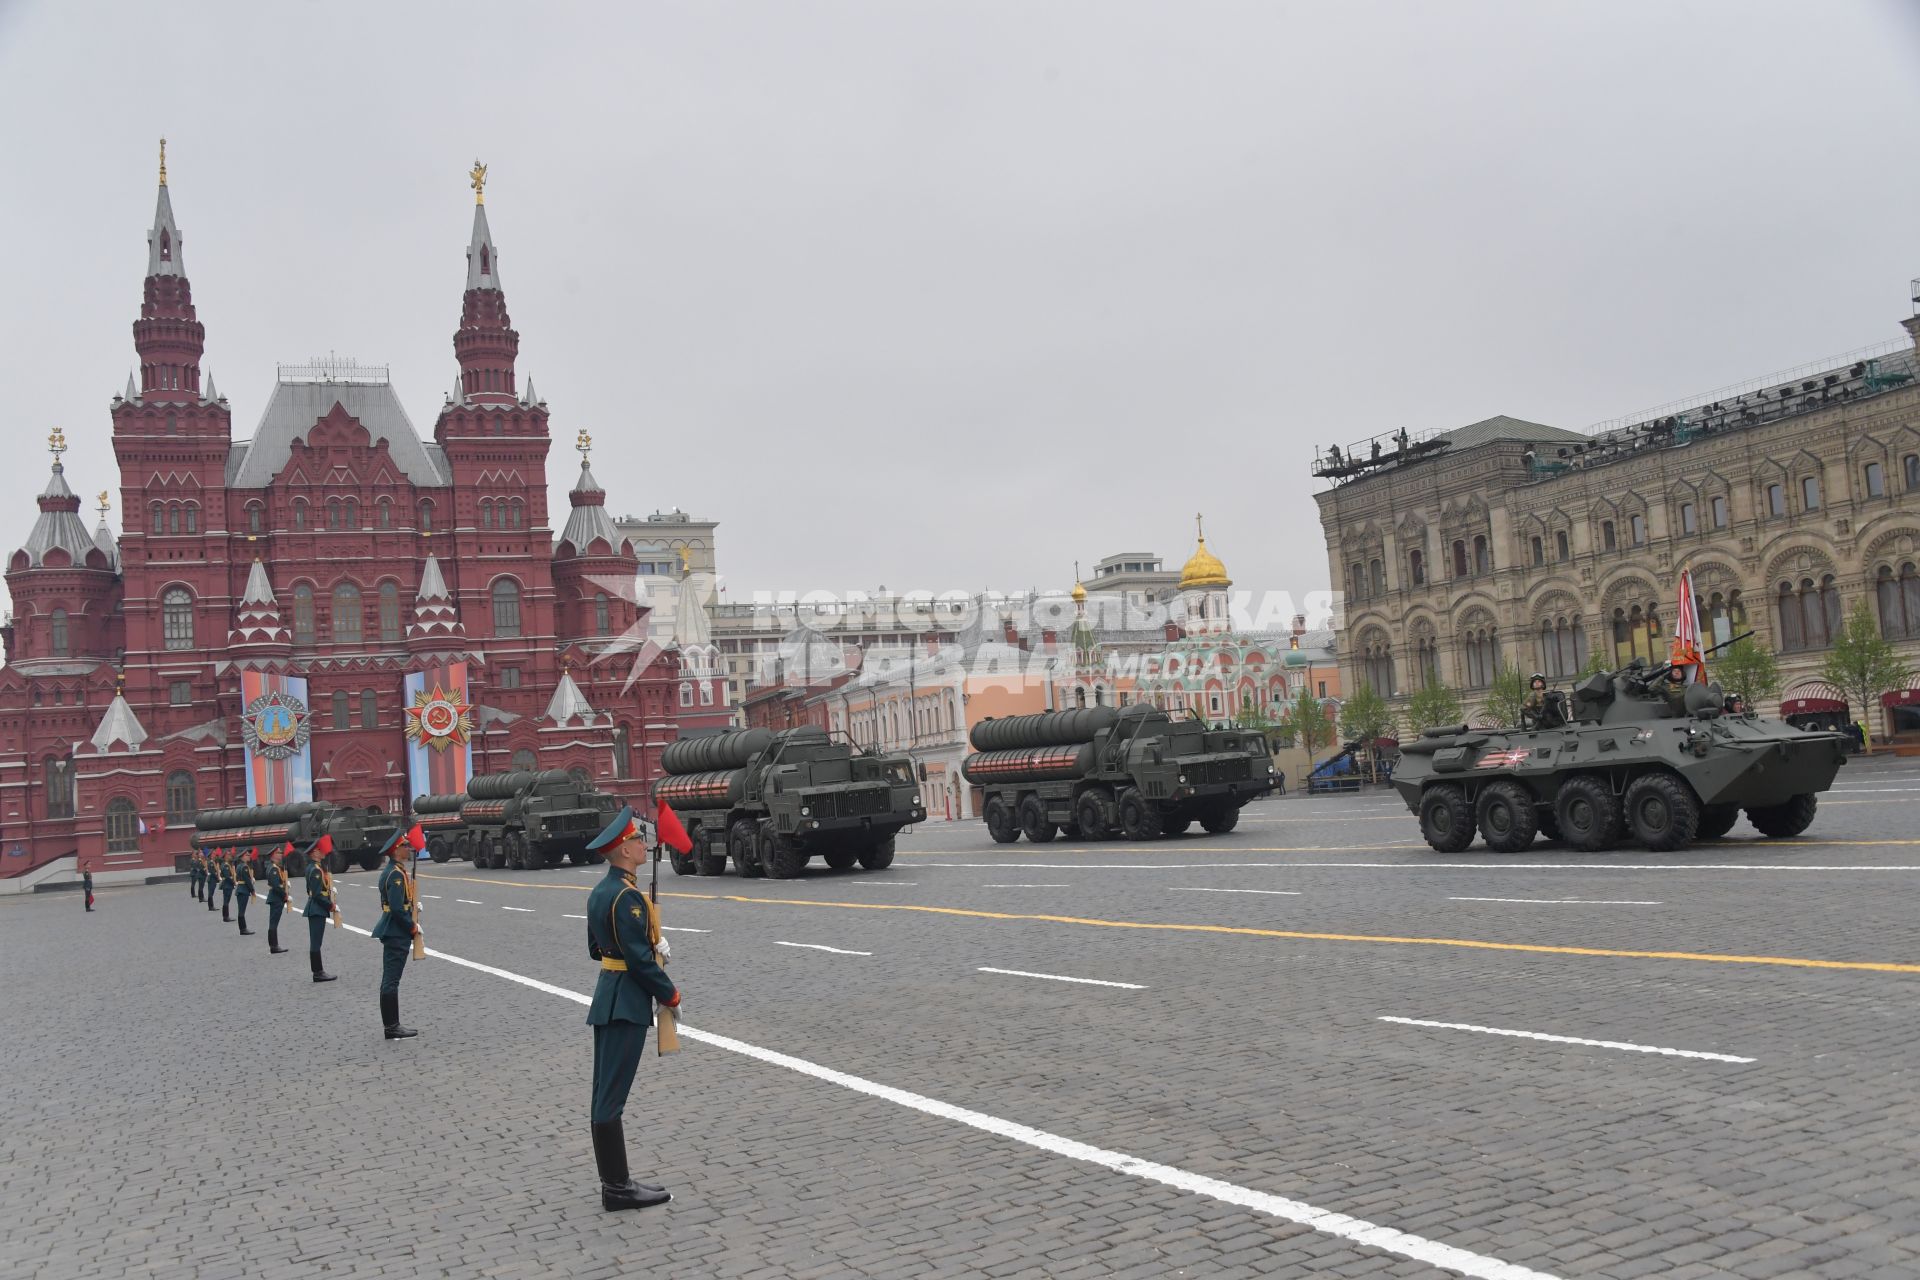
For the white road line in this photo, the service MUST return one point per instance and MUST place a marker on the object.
(1057, 977)
(528, 910)
(1411, 866)
(430, 895)
(572, 917)
(1594, 1044)
(888, 884)
(1565, 902)
(1283, 893)
(814, 946)
(470, 902)
(1368, 1235)
(1026, 886)
(667, 928)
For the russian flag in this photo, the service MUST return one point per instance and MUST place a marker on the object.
(143, 825)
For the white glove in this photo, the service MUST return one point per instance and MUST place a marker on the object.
(663, 949)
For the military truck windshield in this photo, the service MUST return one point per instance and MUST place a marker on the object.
(899, 773)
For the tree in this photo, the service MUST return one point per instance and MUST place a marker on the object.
(1596, 663)
(1432, 707)
(1506, 697)
(1366, 716)
(1252, 715)
(1306, 720)
(1744, 668)
(1863, 664)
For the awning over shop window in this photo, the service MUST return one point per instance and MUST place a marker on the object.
(1815, 698)
(1901, 698)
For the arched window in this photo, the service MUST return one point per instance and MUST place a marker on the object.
(1810, 492)
(123, 826)
(256, 518)
(622, 753)
(516, 512)
(1876, 480)
(1561, 551)
(299, 513)
(303, 614)
(1636, 632)
(369, 709)
(389, 613)
(1722, 616)
(173, 517)
(352, 506)
(333, 513)
(1539, 549)
(602, 619)
(159, 514)
(706, 693)
(342, 710)
(193, 517)
(1376, 659)
(385, 510)
(1482, 555)
(346, 614)
(1776, 500)
(580, 776)
(1910, 465)
(57, 633)
(523, 759)
(486, 513)
(181, 805)
(176, 618)
(1426, 659)
(1417, 568)
(1793, 634)
(1719, 506)
(1608, 539)
(1818, 612)
(1638, 525)
(1481, 649)
(506, 607)
(1563, 646)
(1376, 577)
(1459, 558)
(686, 693)
(426, 515)
(58, 775)
(1688, 522)
(1899, 596)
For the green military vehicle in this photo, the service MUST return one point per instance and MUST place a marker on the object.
(772, 801)
(1101, 771)
(1621, 757)
(357, 833)
(525, 820)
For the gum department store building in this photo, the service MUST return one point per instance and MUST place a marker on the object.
(334, 546)
(1508, 543)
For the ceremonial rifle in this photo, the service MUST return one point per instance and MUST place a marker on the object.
(667, 1037)
(415, 839)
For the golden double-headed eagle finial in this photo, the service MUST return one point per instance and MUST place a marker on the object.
(56, 443)
(477, 176)
(584, 443)
(163, 162)
(106, 504)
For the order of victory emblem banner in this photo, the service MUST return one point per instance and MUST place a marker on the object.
(439, 728)
(274, 727)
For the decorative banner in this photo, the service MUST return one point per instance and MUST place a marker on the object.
(439, 726)
(274, 724)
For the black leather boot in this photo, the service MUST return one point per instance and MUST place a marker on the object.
(617, 1190)
(390, 1014)
(226, 912)
(273, 941)
(320, 973)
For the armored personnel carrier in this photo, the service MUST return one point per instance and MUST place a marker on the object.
(1622, 758)
(357, 833)
(524, 820)
(772, 801)
(1101, 771)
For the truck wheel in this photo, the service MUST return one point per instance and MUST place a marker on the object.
(1507, 817)
(1000, 823)
(1138, 819)
(744, 844)
(1221, 819)
(1093, 816)
(516, 852)
(1662, 811)
(336, 862)
(1587, 814)
(841, 859)
(705, 861)
(1716, 820)
(781, 856)
(681, 863)
(1781, 820)
(438, 851)
(1446, 819)
(368, 861)
(878, 856)
(1033, 821)
(1175, 826)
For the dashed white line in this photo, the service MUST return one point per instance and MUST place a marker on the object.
(430, 895)
(1592, 1044)
(528, 910)
(1060, 977)
(1026, 886)
(668, 928)
(1566, 902)
(814, 946)
(470, 902)
(1283, 893)
(889, 884)
(1370, 1235)
(572, 917)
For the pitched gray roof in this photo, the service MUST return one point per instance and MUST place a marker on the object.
(296, 406)
(119, 725)
(59, 524)
(589, 520)
(482, 241)
(163, 224)
(1501, 427)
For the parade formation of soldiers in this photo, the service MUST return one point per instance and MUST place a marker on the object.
(623, 936)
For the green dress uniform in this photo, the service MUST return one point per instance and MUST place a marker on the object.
(243, 890)
(226, 888)
(196, 876)
(394, 931)
(619, 936)
(276, 905)
(209, 868)
(86, 878)
(319, 907)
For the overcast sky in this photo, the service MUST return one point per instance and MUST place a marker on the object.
(948, 295)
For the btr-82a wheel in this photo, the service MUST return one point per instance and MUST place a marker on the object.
(1446, 819)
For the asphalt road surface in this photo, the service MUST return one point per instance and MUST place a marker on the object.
(1311, 1046)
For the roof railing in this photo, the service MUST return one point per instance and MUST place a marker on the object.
(333, 368)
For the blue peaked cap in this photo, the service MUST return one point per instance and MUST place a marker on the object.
(621, 828)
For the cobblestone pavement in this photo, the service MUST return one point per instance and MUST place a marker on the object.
(177, 1102)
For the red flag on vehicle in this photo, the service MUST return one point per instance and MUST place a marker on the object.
(416, 838)
(672, 834)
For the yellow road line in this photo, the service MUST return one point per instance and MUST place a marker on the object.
(1474, 944)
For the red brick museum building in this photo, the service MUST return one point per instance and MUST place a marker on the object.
(338, 546)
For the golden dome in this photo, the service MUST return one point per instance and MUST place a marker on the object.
(1079, 593)
(1203, 569)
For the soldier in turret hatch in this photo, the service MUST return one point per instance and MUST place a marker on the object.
(1675, 690)
(1534, 709)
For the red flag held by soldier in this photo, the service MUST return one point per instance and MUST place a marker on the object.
(672, 834)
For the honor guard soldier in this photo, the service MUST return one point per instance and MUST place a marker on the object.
(276, 898)
(395, 931)
(196, 874)
(226, 886)
(86, 879)
(243, 888)
(320, 904)
(620, 936)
